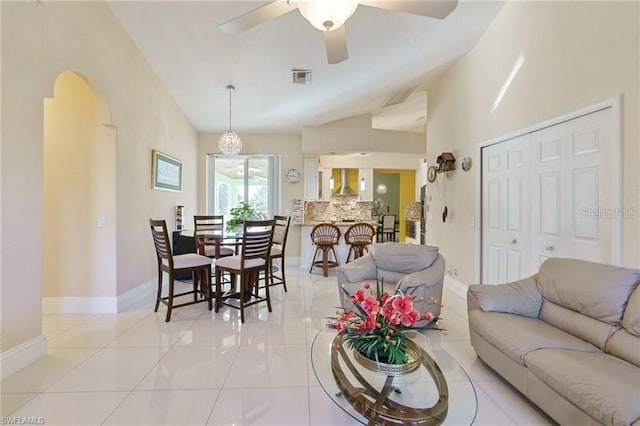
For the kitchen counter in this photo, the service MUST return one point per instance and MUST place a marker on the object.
(338, 223)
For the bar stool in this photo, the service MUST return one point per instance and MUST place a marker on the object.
(325, 236)
(359, 236)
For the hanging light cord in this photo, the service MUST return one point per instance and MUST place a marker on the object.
(230, 88)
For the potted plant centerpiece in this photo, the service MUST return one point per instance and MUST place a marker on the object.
(243, 211)
(379, 329)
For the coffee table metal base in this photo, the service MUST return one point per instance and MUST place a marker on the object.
(375, 405)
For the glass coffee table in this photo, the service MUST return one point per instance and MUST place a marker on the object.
(438, 392)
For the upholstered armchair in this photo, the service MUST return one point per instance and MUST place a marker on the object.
(413, 269)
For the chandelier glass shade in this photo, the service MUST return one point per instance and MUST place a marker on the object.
(327, 15)
(230, 143)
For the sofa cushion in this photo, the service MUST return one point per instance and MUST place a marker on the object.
(402, 257)
(516, 335)
(631, 317)
(624, 345)
(520, 298)
(389, 276)
(582, 326)
(602, 385)
(593, 289)
(361, 269)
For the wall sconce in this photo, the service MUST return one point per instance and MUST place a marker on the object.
(331, 182)
(363, 186)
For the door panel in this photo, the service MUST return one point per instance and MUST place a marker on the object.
(549, 193)
(505, 211)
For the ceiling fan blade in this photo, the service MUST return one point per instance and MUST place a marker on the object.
(435, 9)
(336, 43)
(257, 16)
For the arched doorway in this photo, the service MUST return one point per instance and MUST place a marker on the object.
(79, 229)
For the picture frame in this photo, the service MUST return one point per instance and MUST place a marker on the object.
(166, 172)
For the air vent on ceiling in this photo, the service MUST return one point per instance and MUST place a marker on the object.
(397, 97)
(301, 76)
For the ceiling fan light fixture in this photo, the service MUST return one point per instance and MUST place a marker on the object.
(230, 143)
(327, 15)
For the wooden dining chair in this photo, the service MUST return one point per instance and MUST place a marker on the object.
(198, 265)
(257, 238)
(280, 233)
(358, 237)
(207, 246)
(389, 227)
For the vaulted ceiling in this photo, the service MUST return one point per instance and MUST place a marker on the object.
(389, 52)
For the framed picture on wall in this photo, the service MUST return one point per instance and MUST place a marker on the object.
(166, 172)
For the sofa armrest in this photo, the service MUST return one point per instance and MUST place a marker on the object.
(430, 277)
(520, 297)
(424, 286)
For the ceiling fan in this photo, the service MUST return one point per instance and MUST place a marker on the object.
(329, 17)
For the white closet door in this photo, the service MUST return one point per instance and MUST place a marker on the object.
(573, 191)
(505, 211)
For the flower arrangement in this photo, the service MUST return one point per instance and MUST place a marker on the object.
(377, 205)
(378, 329)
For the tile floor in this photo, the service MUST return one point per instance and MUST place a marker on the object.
(202, 368)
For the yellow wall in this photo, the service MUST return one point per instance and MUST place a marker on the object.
(407, 193)
(571, 55)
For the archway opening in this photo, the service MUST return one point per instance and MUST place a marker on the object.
(79, 232)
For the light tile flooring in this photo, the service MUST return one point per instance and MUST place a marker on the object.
(202, 368)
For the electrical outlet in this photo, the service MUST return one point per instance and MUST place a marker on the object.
(101, 221)
(455, 272)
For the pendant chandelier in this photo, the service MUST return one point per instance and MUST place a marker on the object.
(229, 143)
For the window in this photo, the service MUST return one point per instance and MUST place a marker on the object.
(250, 178)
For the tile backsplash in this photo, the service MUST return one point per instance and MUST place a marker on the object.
(338, 209)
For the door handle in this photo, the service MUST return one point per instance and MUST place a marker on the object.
(514, 241)
(549, 248)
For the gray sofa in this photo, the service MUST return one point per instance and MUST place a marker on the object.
(413, 269)
(568, 338)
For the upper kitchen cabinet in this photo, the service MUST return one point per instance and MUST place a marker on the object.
(310, 173)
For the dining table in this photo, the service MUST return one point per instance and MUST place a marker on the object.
(218, 237)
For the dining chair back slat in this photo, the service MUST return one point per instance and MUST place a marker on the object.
(280, 234)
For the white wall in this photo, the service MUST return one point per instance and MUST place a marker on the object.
(40, 41)
(286, 145)
(571, 55)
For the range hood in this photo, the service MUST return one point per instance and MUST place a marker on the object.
(344, 187)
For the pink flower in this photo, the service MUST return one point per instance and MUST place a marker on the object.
(366, 285)
(409, 318)
(402, 304)
(370, 305)
(428, 316)
(358, 296)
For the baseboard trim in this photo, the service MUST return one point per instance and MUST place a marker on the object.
(79, 305)
(22, 355)
(132, 297)
(460, 289)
